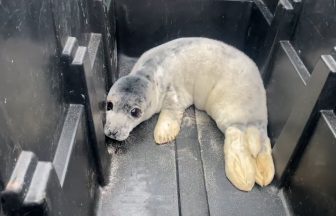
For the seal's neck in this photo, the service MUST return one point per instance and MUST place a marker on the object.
(156, 94)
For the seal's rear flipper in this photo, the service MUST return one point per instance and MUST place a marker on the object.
(264, 164)
(253, 140)
(239, 163)
(260, 148)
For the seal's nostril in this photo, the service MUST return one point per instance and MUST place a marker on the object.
(112, 133)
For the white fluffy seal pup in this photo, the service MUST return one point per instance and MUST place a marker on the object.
(213, 76)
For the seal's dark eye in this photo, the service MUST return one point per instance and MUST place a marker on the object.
(136, 112)
(109, 106)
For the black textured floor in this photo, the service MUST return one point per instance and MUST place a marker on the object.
(185, 177)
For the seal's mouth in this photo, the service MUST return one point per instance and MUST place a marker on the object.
(116, 135)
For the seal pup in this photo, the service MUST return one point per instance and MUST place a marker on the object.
(213, 76)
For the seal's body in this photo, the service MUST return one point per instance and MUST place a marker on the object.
(213, 76)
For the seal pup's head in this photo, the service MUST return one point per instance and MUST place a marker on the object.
(127, 105)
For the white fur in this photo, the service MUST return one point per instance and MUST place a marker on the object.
(213, 76)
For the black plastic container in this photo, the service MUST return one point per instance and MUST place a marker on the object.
(59, 58)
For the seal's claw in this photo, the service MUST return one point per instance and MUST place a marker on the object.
(166, 128)
(239, 164)
(264, 165)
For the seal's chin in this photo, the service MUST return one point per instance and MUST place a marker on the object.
(120, 138)
(117, 137)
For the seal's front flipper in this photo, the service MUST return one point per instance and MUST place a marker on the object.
(264, 164)
(239, 163)
(168, 126)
